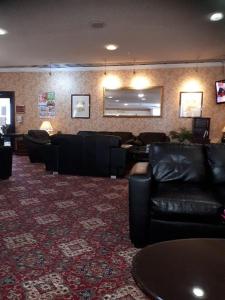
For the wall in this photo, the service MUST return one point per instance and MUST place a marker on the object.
(28, 86)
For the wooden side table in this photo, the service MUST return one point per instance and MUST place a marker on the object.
(17, 143)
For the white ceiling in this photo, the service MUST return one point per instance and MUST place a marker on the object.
(41, 32)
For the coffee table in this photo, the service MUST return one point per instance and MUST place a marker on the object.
(187, 269)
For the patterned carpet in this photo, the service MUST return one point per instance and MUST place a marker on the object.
(64, 237)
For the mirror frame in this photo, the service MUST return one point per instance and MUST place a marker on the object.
(129, 88)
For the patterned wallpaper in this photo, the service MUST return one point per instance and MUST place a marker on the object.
(28, 86)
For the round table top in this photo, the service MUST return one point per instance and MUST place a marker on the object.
(187, 269)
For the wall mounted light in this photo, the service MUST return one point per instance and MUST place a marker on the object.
(111, 82)
(191, 85)
(140, 82)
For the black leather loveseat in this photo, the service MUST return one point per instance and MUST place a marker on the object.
(93, 155)
(179, 194)
(145, 138)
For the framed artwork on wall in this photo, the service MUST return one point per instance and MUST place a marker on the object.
(191, 104)
(80, 106)
(220, 91)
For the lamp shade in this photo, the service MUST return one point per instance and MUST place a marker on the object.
(47, 126)
(223, 129)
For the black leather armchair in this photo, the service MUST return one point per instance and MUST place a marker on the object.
(5, 162)
(34, 141)
(179, 194)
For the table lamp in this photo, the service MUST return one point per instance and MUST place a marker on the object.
(47, 126)
(223, 136)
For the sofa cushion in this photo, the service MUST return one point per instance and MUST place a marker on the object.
(216, 160)
(185, 200)
(177, 162)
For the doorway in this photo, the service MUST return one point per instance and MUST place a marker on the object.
(7, 110)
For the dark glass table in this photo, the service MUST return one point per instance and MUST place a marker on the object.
(188, 269)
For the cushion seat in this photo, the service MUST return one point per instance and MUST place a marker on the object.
(186, 201)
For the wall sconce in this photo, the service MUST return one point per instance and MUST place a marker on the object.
(139, 82)
(111, 82)
(47, 126)
(192, 85)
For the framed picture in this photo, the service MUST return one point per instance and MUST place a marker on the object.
(80, 106)
(220, 91)
(191, 104)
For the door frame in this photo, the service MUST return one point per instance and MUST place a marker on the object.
(11, 96)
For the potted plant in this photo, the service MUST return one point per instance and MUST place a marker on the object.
(182, 136)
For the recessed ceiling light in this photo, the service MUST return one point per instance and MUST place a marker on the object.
(198, 292)
(117, 100)
(217, 16)
(3, 31)
(125, 104)
(143, 99)
(111, 47)
(109, 97)
(140, 95)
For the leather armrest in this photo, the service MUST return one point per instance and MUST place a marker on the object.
(139, 204)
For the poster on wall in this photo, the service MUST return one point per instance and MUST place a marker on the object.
(46, 105)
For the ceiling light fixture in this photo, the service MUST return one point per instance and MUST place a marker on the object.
(217, 16)
(111, 47)
(3, 31)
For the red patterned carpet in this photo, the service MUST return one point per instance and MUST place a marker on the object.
(64, 237)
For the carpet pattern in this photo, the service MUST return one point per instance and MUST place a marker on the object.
(64, 237)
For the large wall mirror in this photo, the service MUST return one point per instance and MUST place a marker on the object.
(128, 102)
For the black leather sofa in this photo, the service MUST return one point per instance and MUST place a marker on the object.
(93, 155)
(126, 137)
(5, 162)
(34, 141)
(145, 138)
(180, 193)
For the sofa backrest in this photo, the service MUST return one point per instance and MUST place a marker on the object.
(152, 137)
(125, 136)
(177, 162)
(70, 160)
(216, 161)
(87, 132)
(85, 155)
(97, 154)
